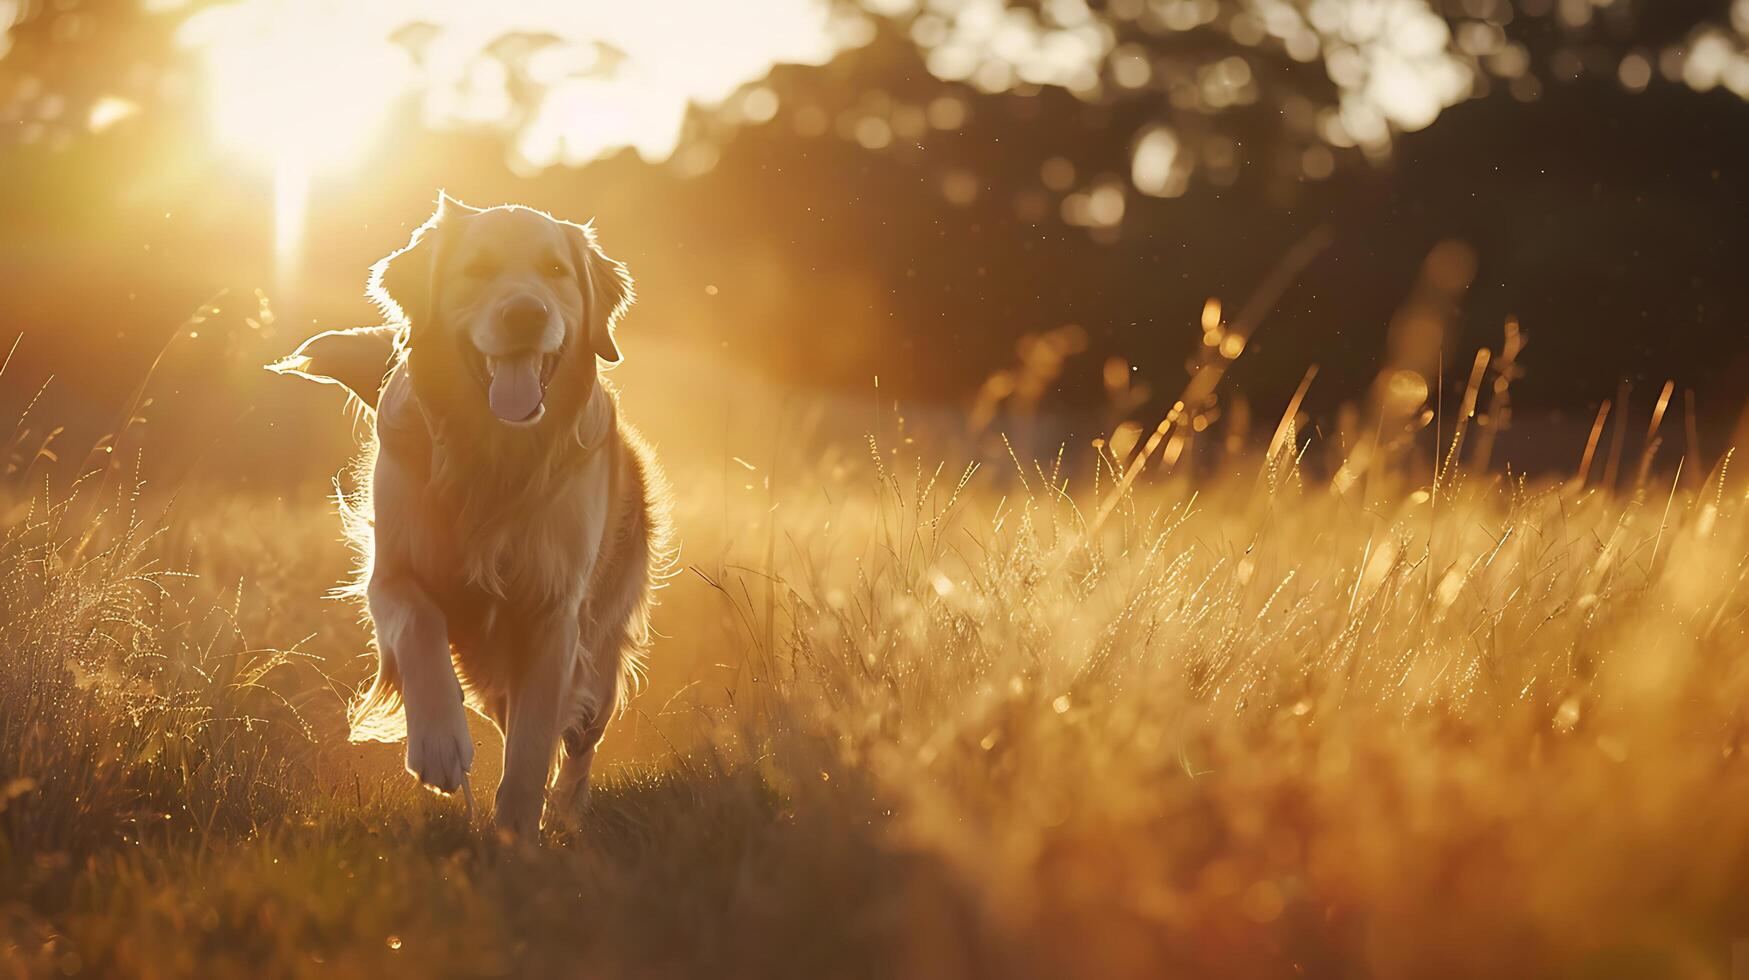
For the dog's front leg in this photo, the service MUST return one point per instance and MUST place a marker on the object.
(532, 737)
(411, 631)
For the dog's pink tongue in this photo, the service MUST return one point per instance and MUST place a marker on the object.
(515, 394)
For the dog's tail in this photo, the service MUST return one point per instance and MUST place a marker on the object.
(357, 360)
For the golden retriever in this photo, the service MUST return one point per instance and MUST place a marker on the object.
(512, 527)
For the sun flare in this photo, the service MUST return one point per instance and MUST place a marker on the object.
(301, 89)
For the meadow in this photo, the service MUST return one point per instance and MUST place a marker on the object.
(1189, 702)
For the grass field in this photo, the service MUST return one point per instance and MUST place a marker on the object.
(997, 721)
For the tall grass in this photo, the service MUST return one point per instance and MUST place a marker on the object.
(132, 710)
(1256, 726)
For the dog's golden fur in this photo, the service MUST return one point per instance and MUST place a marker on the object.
(508, 564)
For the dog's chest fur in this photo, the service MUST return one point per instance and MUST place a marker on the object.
(500, 536)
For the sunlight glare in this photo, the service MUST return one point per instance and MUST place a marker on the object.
(291, 198)
(300, 88)
(292, 76)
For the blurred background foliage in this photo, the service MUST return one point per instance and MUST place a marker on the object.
(815, 195)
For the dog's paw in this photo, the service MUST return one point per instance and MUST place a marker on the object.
(440, 751)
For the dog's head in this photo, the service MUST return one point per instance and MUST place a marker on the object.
(506, 311)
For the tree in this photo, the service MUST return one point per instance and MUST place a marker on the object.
(1209, 86)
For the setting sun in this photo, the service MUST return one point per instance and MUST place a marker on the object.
(300, 89)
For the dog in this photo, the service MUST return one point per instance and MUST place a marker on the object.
(511, 526)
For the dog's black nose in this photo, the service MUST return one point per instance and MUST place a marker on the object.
(524, 317)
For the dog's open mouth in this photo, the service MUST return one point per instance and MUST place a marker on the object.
(516, 384)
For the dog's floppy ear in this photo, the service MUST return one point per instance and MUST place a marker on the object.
(402, 284)
(357, 359)
(607, 289)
